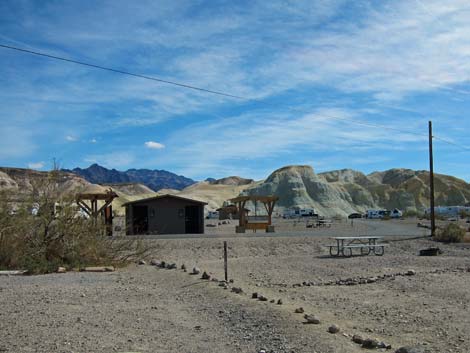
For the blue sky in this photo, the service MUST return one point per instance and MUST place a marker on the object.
(317, 74)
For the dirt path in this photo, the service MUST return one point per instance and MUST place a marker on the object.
(142, 309)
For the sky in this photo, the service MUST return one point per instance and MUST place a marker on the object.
(332, 84)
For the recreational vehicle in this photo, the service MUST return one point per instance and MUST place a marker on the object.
(377, 214)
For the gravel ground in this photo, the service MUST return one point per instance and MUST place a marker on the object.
(147, 309)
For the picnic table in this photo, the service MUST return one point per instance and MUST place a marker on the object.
(319, 223)
(367, 244)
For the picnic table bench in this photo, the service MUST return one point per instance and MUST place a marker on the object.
(367, 244)
(319, 223)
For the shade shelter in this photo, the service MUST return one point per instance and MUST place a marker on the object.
(165, 214)
(89, 201)
(255, 222)
(230, 212)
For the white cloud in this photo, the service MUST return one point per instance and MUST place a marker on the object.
(93, 140)
(71, 138)
(36, 165)
(154, 145)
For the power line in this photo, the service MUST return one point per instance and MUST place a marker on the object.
(122, 72)
(451, 143)
(231, 95)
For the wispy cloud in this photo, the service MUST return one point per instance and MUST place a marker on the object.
(369, 61)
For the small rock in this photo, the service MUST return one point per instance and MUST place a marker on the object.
(196, 271)
(262, 298)
(382, 345)
(254, 295)
(410, 273)
(299, 310)
(171, 266)
(333, 329)
(183, 267)
(408, 349)
(357, 339)
(61, 270)
(279, 302)
(272, 301)
(370, 343)
(262, 351)
(154, 262)
(142, 262)
(231, 280)
(205, 275)
(162, 264)
(312, 319)
(237, 290)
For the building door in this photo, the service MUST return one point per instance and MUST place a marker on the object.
(192, 219)
(140, 221)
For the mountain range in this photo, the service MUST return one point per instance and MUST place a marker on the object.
(154, 179)
(337, 192)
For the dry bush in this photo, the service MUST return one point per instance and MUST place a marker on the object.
(411, 214)
(44, 230)
(451, 233)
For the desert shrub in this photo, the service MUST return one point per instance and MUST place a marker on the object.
(452, 233)
(55, 234)
(464, 214)
(410, 214)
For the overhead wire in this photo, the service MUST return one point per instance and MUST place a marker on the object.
(184, 85)
(187, 86)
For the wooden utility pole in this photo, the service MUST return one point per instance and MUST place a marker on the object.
(431, 182)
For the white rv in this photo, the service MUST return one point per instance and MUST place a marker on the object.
(396, 213)
(299, 212)
(377, 214)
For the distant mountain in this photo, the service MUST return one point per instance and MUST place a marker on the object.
(154, 179)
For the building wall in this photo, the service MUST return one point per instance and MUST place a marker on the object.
(166, 216)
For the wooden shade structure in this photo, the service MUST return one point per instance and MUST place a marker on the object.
(244, 222)
(93, 195)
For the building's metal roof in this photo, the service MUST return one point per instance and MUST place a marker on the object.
(162, 197)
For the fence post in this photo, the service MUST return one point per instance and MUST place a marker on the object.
(225, 261)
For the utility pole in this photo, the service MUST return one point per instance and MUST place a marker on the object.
(431, 182)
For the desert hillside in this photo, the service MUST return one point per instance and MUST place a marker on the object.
(215, 193)
(341, 192)
(22, 181)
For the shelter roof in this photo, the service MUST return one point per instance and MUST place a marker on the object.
(158, 197)
(255, 198)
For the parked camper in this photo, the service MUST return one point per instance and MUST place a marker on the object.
(377, 214)
(299, 212)
(396, 213)
(212, 215)
(449, 211)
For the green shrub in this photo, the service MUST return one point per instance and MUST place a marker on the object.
(56, 235)
(452, 233)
